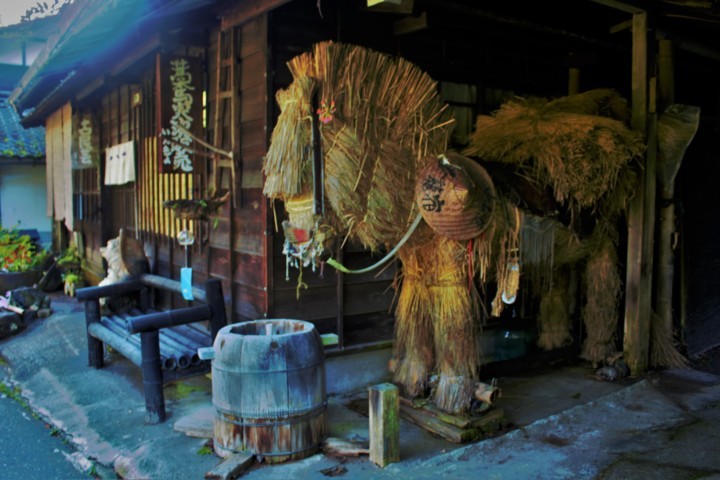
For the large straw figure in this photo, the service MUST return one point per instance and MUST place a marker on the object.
(381, 118)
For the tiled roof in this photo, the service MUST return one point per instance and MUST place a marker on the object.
(15, 141)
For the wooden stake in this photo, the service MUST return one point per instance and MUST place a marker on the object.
(384, 424)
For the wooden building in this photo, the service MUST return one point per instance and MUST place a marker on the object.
(109, 64)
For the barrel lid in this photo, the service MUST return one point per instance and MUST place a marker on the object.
(456, 196)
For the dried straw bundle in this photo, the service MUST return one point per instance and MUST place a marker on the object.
(579, 155)
(600, 313)
(413, 354)
(537, 246)
(453, 307)
(554, 316)
(663, 352)
(286, 168)
(508, 222)
(603, 102)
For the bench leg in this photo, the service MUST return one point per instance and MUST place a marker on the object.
(152, 377)
(95, 346)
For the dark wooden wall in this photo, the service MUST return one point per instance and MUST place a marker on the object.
(238, 246)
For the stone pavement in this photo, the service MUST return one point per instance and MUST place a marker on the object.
(568, 425)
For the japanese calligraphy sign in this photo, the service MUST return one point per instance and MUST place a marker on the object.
(85, 152)
(179, 111)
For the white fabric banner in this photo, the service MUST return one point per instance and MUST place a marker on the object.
(120, 164)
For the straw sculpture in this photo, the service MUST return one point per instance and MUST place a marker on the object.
(563, 143)
(581, 147)
(381, 119)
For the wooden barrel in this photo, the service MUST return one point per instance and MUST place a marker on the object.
(268, 381)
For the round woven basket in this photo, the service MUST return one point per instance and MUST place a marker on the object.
(456, 196)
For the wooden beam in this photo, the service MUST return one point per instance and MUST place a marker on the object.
(638, 283)
(410, 24)
(622, 26)
(247, 10)
(404, 6)
(623, 6)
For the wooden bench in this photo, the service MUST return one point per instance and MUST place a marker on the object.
(163, 344)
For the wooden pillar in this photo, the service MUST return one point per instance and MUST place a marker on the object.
(95, 346)
(641, 215)
(384, 424)
(666, 74)
(573, 80)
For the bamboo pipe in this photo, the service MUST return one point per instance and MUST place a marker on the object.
(167, 362)
(486, 393)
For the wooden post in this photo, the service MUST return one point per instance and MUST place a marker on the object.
(95, 346)
(384, 424)
(638, 282)
(152, 377)
(216, 302)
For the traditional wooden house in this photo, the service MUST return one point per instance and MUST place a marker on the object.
(22, 151)
(186, 89)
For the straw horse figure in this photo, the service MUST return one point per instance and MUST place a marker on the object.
(381, 120)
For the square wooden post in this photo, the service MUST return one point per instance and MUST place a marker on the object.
(384, 424)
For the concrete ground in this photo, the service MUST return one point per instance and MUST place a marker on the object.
(566, 423)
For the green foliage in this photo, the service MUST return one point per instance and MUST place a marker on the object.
(69, 257)
(18, 253)
(205, 450)
(182, 390)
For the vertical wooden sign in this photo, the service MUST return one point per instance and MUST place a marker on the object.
(179, 110)
(85, 151)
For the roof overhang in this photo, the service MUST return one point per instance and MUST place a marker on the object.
(95, 42)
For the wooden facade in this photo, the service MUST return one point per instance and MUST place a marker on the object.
(487, 54)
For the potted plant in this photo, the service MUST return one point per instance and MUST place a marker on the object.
(21, 260)
(70, 264)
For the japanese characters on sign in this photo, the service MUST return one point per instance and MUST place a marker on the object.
(85, 144)
(180, 109)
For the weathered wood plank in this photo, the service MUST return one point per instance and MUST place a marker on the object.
(249, 270)
(232, 467)
(384, 424)
(249, 303)
(253, 103)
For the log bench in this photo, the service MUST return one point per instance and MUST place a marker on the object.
(163, 344)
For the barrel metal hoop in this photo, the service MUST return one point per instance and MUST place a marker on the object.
(296, 418)
(265, 372)
(314, 446)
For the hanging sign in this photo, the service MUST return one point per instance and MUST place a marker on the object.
(179, 93)
(85, 152)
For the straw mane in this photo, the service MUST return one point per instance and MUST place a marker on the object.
(384, 117)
